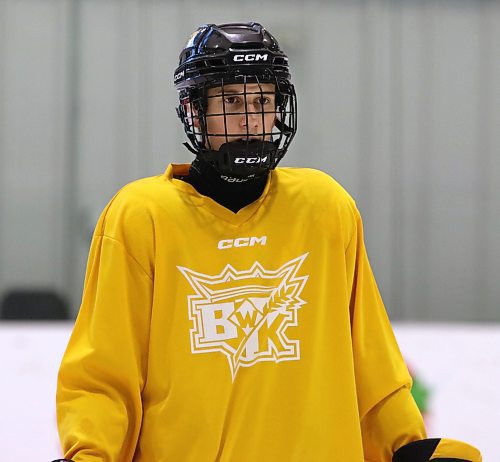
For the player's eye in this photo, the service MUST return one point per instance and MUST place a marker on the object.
(263, 100)
(231, 100)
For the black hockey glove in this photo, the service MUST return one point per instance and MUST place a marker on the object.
(437, 449)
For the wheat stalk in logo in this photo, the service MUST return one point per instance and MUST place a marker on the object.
(278, 300)
(245, 314)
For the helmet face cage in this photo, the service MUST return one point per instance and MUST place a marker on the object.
(261, 150)
(261, 97)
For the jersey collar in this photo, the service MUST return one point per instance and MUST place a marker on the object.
(198, 200)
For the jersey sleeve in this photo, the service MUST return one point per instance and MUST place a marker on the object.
(387, 410)
(104, 367)
(391, 424)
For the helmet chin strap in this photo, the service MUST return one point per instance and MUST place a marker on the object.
(240, 161)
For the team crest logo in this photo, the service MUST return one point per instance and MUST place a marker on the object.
(245, 314)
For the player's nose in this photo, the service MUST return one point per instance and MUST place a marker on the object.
(252, 119)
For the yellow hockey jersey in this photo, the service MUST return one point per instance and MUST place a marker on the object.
(211, 336)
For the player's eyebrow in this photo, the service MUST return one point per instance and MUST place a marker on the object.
(229, 92)
(239, 92)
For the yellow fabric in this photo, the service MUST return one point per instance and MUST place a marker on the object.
(395, 421)
(448, 448)
(205, 335)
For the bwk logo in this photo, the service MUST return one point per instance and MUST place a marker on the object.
(245, 314)
(250, 57)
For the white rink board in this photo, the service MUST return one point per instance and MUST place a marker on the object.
(30, 354)
(459, 363)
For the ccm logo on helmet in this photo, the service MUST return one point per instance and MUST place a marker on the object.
(178, 75)
(241, 242)
(249, 160)
(250, 57)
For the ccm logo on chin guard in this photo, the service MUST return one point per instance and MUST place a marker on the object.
(249, 160)
(241, 242)
(250, 57)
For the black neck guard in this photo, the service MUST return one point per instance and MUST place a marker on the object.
(232, 195)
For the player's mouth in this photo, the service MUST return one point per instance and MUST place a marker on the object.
(249, 139)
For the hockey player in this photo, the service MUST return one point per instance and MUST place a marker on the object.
(229, 311)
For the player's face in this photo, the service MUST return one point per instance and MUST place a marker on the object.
(250, 111)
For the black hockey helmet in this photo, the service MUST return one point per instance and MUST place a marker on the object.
(247, 55)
